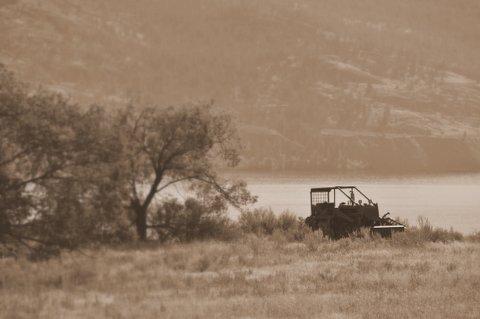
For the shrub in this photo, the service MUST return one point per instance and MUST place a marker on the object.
(260, 221)
(301, 231)
(292, 226)
(424, 232)
(474, 237)
(287, 221)
(203, 263)
(191, 221)
(265, 222)
(314, 240)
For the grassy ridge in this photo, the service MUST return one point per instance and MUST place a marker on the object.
(254, 276)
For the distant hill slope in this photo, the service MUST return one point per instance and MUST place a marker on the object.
(326, 85)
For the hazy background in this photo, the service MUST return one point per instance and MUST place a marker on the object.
(356, 89)
(381, 86)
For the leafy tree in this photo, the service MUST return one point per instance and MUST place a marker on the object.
(165, 146)
(55, 169)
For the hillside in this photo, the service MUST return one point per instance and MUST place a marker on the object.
(317, 85)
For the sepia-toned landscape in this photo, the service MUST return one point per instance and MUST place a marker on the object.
(252, 278)
(383, 86)
(239, 159)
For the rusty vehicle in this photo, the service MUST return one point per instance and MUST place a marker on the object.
(354, 211)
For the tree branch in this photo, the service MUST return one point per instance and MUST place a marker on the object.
(210, 180)
(176, 181)
(34, 179)
(14, 157)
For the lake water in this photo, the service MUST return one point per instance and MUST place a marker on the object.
(447, 201)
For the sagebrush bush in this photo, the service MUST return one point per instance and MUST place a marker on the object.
(264, 222)
(192, 220)
(314, 240)
(259, 221)
(424, 232)
(474, 237)
(287, 221)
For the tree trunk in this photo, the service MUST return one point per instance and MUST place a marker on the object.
(140, 220)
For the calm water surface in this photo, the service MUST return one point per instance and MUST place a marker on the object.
(447, 201)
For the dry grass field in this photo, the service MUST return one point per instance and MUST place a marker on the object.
(253, 277)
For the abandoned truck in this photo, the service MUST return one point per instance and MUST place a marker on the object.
(336, 221)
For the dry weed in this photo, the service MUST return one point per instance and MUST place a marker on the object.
(257, 277)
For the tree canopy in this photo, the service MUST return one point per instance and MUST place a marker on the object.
(55, 169)
(186, 144)
(70, 175)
